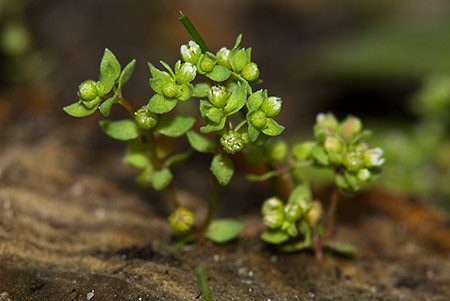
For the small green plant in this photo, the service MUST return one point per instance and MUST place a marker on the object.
(234, 118)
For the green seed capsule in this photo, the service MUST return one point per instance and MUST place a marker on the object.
(353, 161)
(274, 219)
(271, 204)
(207, 62)
(191, 53)
(218, 96)
(258, 119)
(271, 106)
(250, 72)
(223, 56)
(292, 212)
(170, 90)
(186, 73)
(88, 90)
(277, 149)
(232, 142)
(363, 175)
(145, 119)
(182, 219)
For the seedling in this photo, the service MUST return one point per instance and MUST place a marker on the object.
(234, 118)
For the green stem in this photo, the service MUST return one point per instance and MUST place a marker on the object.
(203, 283)
(334, 198)
(212, 202)
(169, 190)
(128, 106)
(193, 32)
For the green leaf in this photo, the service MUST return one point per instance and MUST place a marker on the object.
(214, 114)
(120, 130)
(253, 132)
(78, 110)
(219, 73)
(185, 91)
(302, 151)
(274, 236)
(320, 155)
(223, 230)
(201, 143)
(165, 65)
(136, 154)
(222, 168)
(263, 177)
(238, 42)
(213, 127)
(105, 107)
(109, 71)
(178, 158)
(340, 247)
(201, 89)
(160, 104)
(146, 176)
(175, 126)
(299, 194)
(159, 78)
(255, 101)
(161, 179)
(341, 182)
(126, 74)
(272, 128)
(236, 100)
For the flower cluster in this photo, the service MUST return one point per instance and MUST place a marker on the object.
(340, 145)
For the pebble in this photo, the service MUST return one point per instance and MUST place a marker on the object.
(90, 295)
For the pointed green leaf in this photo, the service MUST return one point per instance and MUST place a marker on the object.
(222, 168)
(320, 155)
(109, 71)
(238, 42)
(300, 194)
(219, 73)
(175, 126)
(121, 130)
(185, 91)
(178, 158)
(223, 230)
(236, 100)
(105, 107)
(253, 132)
(273, 128)
(159, 78)
(165, 65)
(78, 110)
(214, 114)
(201, 89)
(162, 178)
(136, 154)
(274, 236)
(146, 176)
(255, 101)
(126, 74)
(201, 143)
(160, 104)
(340, 247)
(213, 127)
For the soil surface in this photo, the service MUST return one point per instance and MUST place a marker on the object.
(75, 226)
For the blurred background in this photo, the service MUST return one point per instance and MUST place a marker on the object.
(388, 62)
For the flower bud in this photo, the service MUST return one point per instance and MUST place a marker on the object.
(315, 213)
(273, 219)
(373, 157)
(327, 120)
(271, 204)
(190, 53)
(353, 161)
(182, 219)
(350, 127)
(271, 106)
(332, 144)
(240, 59)
(292, 212)
(207, 62)
(303, 151)
(363, 175)
(258, 119)
(87, 90)
(218, 96)
(232, 142)
(250, 72)
(223, 57)
(170, 89)
(145, 119)
(186, 73)
(277, 149)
